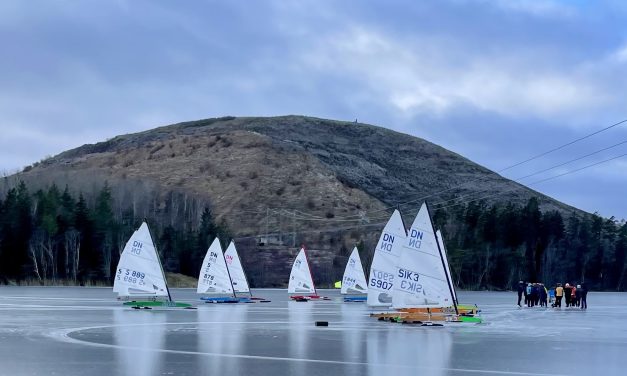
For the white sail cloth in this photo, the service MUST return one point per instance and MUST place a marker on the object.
(354, 279)
(233, 262)
(381, 281)
(139, 271)
(421, 277)
(214, 275)
(300, 276)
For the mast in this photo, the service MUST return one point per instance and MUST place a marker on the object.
(159, 261)
(228, 272)
(309, 267)
(437, 243)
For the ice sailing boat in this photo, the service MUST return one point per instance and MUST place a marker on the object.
(354, 279)
(140, 274)
(423, 291)
(236, 271)
(215, 278)
(301, 281)
(383, 268)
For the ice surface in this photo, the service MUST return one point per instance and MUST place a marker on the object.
(85, 331)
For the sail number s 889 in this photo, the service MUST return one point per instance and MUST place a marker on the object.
(130, 276)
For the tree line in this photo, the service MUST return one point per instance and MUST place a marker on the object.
(495, 246)
(55, 236)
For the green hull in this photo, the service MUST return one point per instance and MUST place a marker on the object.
(470, 319)
(151, 303)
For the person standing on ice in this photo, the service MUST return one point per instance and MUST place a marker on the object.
(559, 292)
(543, 294)
(521, 290)
(567, 294)
(584, 296)
(529, 297)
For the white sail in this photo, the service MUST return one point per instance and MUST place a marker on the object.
(300, 276)
(240, 284)
(383, 268)
(139, 271)
(447, 268)
(214, 276)
(354, 280)
(421, 279)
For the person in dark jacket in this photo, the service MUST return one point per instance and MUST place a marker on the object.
(584, 296)
(535, 295)
(521, 291)
(567, 294)
(543, 294)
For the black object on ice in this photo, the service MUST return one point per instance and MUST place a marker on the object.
(322, 323)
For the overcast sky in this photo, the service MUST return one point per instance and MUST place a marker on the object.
(495, 81)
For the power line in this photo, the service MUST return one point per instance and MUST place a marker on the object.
(563, 146)
(535, 182)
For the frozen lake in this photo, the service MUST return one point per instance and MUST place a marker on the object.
(85, 331)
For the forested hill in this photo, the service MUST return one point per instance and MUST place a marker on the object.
(275, 183)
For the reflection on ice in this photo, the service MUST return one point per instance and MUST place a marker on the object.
(138, 333)
(299, 316)
(220, 332)
(427, 349)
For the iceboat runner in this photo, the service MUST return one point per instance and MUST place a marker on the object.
(354, 285)
(215, 278)
(301, 281)
(423, 292)
(140, 274)
(238, 277)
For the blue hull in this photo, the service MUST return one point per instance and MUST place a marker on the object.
(228, 299)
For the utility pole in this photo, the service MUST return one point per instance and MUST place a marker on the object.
(267, 219)
(294, 228)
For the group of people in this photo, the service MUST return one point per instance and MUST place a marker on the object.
(537, 294)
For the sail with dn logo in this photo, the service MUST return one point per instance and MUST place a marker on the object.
(421, 279)
(383, 268)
